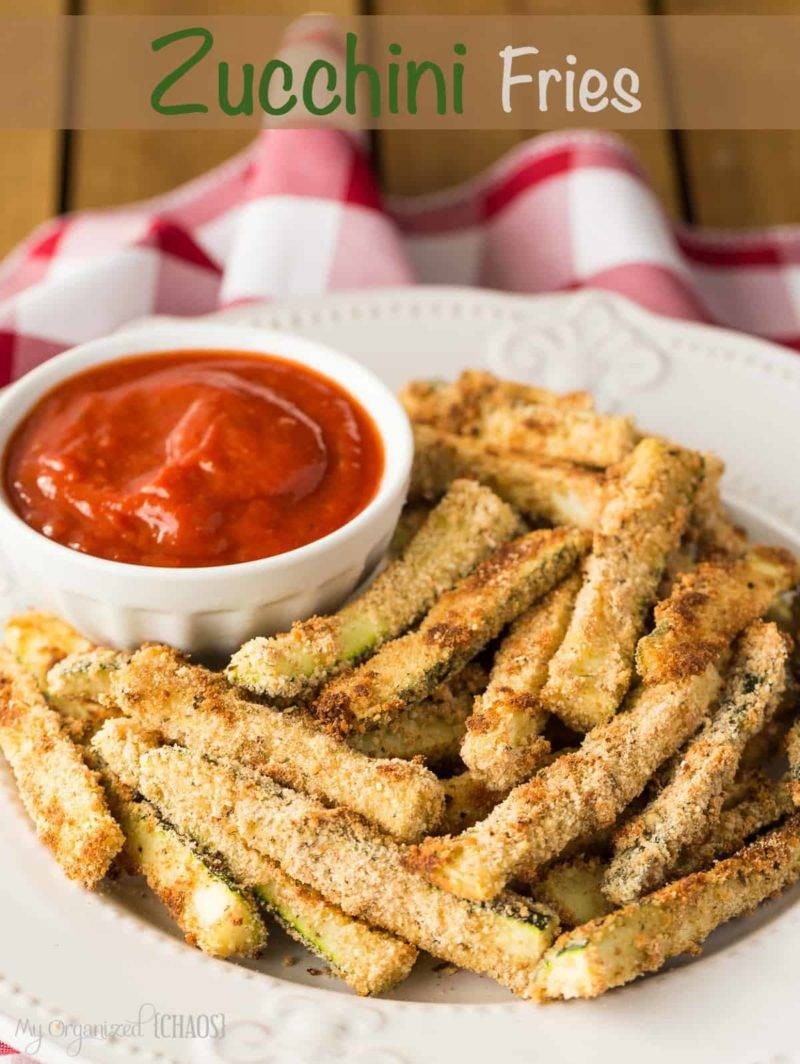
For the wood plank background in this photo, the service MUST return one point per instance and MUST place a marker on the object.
(719, 178)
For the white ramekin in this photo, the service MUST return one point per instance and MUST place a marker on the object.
(206, 610)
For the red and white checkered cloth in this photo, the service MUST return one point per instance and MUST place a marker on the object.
(299, 213)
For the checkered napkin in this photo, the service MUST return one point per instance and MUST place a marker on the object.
(299, 213)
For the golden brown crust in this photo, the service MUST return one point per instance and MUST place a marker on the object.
(646, 514)
(691, 803)
(61, 795)
(503, 745)
(190, 705)
(461, 623)
(543, 490)
(579, 793)
(708, 607)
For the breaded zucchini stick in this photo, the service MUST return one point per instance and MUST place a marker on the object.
(708, 607)
(578, 794)
(640, 525)
(61, 795)
(188, 704)
(351, 863)
(460, 625)
(39, 640)
(370, 961)
(640, 938)
(573, 890)
(468, 524)
(793, 753)
(432, 730)
(763, 802)
(581, 436)
(214, 914)
(412, 517)
(467, 801)
(543, 490)
(503, 745)
(531, 421)
(686, 809)
(450, 404)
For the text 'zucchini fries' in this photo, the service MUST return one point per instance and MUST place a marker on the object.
(467, 525)
(460, 625)
(563, 707)
(192, 706)
(642, 522)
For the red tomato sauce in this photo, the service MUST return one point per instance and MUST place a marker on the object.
(193, 458)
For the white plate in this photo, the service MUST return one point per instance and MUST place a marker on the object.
(71, 957)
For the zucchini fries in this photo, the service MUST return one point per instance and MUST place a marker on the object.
(214, 914)
(793, 753)
(352, 864)
(617, 948)
(530, 420)
(432, 730)
(684, 811)
(561, 706)
(61, 795)
(461, 623)
(641, 524)
(578, 794)
(192, 706)
(370, 961)
(503, 745)
(468, 524)
(707, 608)
(543, 490)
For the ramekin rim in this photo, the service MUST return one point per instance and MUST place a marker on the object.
(398, 452)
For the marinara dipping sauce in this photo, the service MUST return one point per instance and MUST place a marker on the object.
(193, 458)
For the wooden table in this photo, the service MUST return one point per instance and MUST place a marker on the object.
(711, 178)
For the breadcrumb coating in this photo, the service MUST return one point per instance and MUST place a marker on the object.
(61, 795)
(352, 864)
(793, 753)
(641, 938)
(450, 405)
(708, 607)
(432, 730)
(468, 524)
(529, 420)
(578, 794)
(188, 704)
(503, 745)
(40, 640)
(460, 625)
(684, 812)
(643, 521)
(370, 961)
(545, 491)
